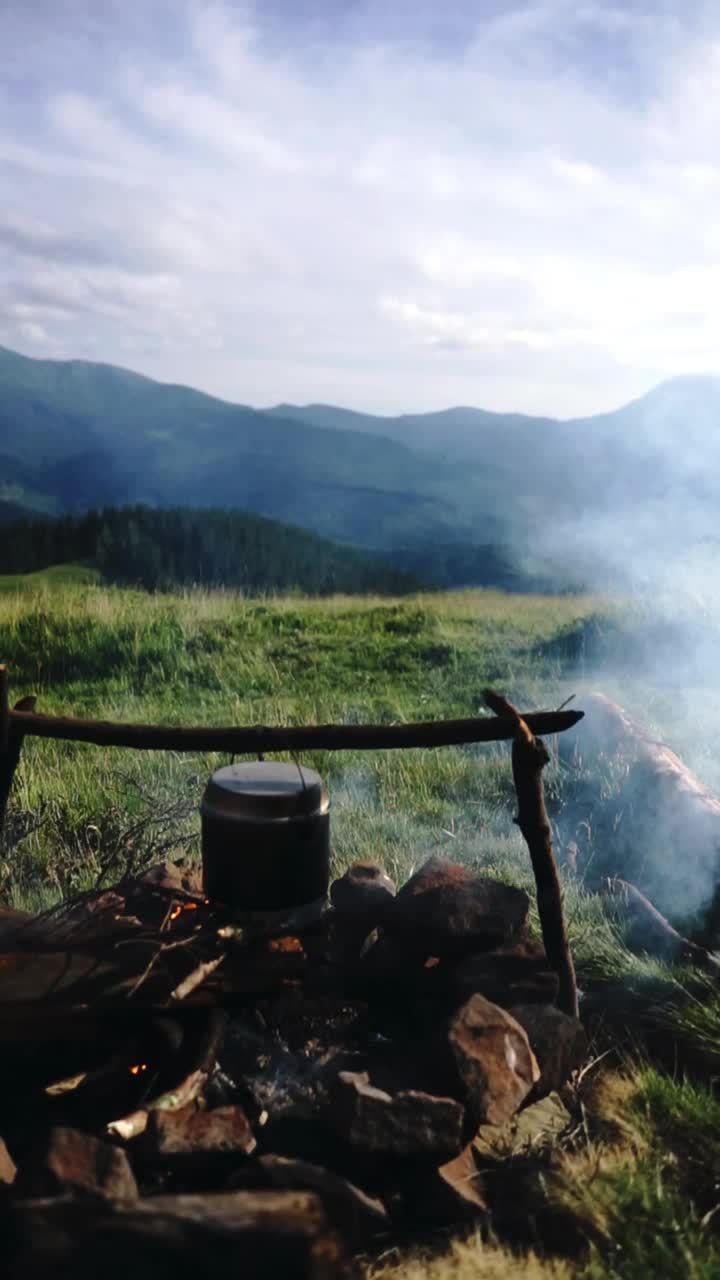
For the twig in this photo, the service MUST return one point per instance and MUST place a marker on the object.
(529, 757)
(196, 978)
(566, 703)
(156, 958)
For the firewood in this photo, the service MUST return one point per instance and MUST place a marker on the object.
(11, 738)
(529, 757)
(259, 738)
(196, 978)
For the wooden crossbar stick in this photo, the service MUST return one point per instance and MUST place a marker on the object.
(254, 738)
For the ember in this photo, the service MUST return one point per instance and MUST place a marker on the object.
(187, 906)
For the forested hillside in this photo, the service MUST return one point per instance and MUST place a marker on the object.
(160, 549)
(75, 435)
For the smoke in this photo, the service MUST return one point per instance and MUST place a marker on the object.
(648, 543)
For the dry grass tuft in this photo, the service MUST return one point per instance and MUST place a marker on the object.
(470, 1259)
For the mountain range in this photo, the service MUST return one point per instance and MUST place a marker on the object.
(76, 435)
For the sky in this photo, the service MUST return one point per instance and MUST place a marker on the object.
(390, 205)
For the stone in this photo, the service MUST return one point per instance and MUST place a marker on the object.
(191, 1138)
(172, 877)
(460, 1193)
(78, 1164)
(558, 1041)
(512, 975)
(450, 910)
(392, 964)
(452, 1193)
(363, 894)
(407, 1124)
(536, 1127)
(492, 1058)
(259, 1235)
(355, 1214)
(444, 1196)
(8, 1170)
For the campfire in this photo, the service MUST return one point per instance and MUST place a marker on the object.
(235, 1066)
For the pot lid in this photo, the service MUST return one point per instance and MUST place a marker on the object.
(265, 789)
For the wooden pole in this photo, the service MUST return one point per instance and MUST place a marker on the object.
(5, 769)
(258, 738)
(11, 740)
(529, 757)
(4, 710)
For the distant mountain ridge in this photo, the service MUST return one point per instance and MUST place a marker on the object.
(665, 445)
(76, 435)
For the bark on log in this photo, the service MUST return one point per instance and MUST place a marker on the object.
(252, 739)
(529, 757)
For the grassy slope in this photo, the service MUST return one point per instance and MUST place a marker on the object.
(58, 576)
(638, 1197)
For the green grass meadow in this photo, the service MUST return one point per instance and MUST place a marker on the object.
(60, 575)
(639, 1172)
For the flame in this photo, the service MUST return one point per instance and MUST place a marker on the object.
(138, 1068)
(178, 910)
(285, 945)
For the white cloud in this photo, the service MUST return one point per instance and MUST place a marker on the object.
(34, 333)
(233, 133)
(520, 212)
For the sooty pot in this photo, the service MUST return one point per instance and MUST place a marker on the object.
(265, 836)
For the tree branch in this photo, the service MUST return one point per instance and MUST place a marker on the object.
(529, 757)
